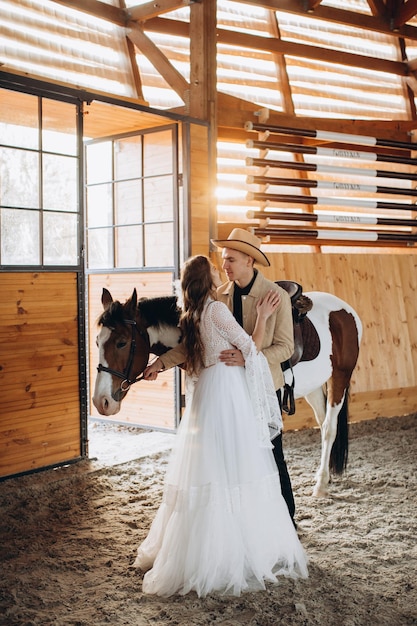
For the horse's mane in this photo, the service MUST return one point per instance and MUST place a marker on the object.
(160, 311)
(112, 316)
(154, 311)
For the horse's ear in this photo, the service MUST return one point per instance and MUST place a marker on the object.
(132, 303)
(106, 298)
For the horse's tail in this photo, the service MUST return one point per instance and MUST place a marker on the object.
(340, 448)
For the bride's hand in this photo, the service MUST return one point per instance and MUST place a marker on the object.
(268, 304)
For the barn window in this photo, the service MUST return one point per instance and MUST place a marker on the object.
(131, 192)
(39, 172)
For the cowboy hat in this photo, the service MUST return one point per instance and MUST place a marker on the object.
(243, 241)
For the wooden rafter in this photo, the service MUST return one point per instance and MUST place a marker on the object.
(381, 21)
(244, 111)
(160, 62)
(280, 62)
(339, 16)
(313, 4)
(203, 81)
(135, 69)
(407, 85)
(405, 12)
(133, 63)
(378, 7)
(274, 45)
(316, 53)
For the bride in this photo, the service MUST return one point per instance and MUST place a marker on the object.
(223, 525)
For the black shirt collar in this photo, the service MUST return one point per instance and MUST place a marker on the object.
(243, 291)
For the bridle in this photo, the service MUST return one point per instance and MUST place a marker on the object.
(127, 382)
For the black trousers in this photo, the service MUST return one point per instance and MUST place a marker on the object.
(286, 487)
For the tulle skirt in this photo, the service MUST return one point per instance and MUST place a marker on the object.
(223, 525)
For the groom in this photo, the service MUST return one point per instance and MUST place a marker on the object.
(245, 285)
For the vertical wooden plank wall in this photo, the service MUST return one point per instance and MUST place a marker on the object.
(201, 189)
(383, 290)
(39, 365)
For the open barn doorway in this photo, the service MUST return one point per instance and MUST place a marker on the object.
(134, 207)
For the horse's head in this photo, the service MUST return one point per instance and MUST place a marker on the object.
(123, 344)
(129, 332)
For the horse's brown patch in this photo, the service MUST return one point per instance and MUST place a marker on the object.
(345, 352)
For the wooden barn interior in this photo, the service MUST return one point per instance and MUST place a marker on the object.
(132, 133)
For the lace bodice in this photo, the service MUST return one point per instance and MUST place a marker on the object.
(220, 331)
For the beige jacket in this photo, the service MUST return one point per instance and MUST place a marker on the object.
(278, 343)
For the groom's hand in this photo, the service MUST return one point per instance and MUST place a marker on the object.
(232, 356)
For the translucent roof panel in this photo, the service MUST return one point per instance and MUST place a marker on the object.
(358, 6)
(48, 40)
(243, 18)
(323, 89)
(248, 74)
(45, 39)
(334, 36)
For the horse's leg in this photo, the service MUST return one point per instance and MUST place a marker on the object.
(328, 436)
(326, 417)
(345, 351)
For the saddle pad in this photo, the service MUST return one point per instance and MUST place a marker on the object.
(311, 340)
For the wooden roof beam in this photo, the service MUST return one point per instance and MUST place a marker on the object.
(203, 82)
(407, 86)
(131, 50)
(281, 65)
(404, 13)
(160, 62)
(374, 23)
(244, 111)
(313, 4)
(378, 7)
(277, 46)
(316, 53)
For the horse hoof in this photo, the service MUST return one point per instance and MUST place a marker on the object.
(320, 492)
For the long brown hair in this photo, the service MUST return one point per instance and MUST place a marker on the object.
(196, 285)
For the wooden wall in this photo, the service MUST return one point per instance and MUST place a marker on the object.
(383, 290)
(201, 184)
(39, 364)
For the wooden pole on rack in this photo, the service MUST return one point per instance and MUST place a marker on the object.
(340, 153)
(324, 184)
(328, 169)
(332, 201)
(335, 235)
(331, 218)
(330, 136)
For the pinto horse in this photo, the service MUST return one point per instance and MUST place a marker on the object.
(130, 332)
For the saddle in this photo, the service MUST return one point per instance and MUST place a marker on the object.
(306, 339)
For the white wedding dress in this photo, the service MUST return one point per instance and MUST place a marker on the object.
(223, 525)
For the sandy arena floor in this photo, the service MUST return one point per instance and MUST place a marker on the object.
(68, 538)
